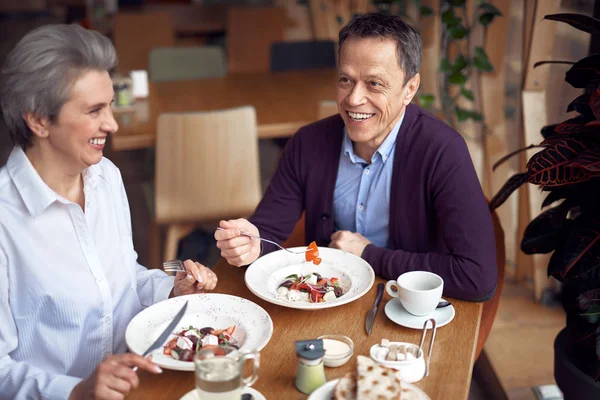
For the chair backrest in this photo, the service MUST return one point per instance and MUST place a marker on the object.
(290, 56)
(180, 63)
(248, 48)
(490, 307)
(206, 165)
(135, 34)
(327, 108)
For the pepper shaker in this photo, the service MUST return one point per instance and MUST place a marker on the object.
(311, 372)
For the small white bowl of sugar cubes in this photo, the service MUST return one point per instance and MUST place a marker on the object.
(404, 357)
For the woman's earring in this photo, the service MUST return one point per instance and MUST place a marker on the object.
(43, 133)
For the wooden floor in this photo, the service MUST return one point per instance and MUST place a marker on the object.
(520, 345)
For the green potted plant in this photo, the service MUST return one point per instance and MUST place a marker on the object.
(567, 168)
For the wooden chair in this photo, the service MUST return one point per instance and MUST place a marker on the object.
(206, 170)
(490, 307)
(248, 48)
(483, 370)
(180, 63)
(135, 34)
(300, 55)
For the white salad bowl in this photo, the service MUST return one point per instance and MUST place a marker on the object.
(253, 331)
(263, 277)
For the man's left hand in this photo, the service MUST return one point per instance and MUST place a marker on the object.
(352, 242)
(195, 279)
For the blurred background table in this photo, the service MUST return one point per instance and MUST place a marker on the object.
(284, 102)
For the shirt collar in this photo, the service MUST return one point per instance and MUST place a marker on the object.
(36, 194)
(384, 149)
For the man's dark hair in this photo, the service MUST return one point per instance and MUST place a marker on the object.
(389, 27)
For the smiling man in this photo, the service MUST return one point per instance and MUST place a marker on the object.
(383, 179)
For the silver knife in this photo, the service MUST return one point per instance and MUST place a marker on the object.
(373, 311)
(165, 334)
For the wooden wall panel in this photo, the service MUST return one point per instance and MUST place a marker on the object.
(249, 48)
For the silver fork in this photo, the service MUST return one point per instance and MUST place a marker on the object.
(175, 266)
(266, 240)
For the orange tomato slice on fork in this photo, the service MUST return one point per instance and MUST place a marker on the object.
(312, 254)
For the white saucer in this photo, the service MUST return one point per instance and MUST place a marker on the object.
(396, 312)
(256, 395)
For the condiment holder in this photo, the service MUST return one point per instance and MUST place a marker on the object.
(338, 350)
(310, 374)
(415, 367)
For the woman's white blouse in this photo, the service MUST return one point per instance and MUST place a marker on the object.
(69, 280)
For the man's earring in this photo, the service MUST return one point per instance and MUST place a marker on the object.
(43, 133)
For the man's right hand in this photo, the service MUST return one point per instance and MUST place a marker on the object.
(113, 378)
(236, 248)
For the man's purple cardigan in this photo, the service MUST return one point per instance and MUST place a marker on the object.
(439, 219)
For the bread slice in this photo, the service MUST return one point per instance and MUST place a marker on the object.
(376, 382)
(371, 381)
(346, 387)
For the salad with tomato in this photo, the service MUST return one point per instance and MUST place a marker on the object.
(311, 287)
(189, 341)
(312, 254)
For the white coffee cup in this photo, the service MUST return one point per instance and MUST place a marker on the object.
(418, 291)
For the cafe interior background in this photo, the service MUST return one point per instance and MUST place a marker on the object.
(498, 102)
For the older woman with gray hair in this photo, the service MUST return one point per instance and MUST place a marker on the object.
(69, 279)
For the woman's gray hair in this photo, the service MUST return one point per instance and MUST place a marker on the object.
(40, 72)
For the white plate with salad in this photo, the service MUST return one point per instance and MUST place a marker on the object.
(289, 280)
(211, 319)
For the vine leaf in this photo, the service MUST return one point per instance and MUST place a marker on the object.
(481, 61)
(458, 32)
(425, 11)
(476, 116)
(489, 7)
(461, 114)
(457, 78)
(446, 65)
(468, 94)
(460, 63)
(426, 100)
(489, 12)
(449, 18)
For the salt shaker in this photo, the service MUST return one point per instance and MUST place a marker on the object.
(311, 373)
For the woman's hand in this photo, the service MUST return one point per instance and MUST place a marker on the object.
(236, 248)
(113, 378)
(195, 279)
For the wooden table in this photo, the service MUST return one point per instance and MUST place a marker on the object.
(450, 368)
(284, 102)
